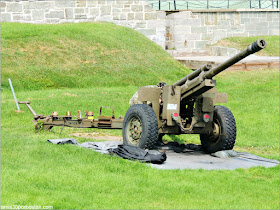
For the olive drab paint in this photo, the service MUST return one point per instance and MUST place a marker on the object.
(192, 97)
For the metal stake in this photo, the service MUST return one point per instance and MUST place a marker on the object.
(11, 85)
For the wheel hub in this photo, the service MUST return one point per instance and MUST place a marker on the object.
(134, 130)
(215, 135)
(216, 130)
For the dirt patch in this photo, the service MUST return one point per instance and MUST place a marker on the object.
(88, 62)
(69, 94)
(35, 99)
(97, 136)
(19, 111)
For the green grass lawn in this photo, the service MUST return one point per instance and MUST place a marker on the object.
(34, 172)
(37, 173)
(240, 43)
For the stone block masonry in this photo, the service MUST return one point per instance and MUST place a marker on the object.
(189, 31)
(192, 31)
(136, 14)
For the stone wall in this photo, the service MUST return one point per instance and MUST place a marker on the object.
(193, 31)
(186, 31)
(131, 13)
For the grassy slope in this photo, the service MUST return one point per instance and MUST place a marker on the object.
(240, 43)
(36, 173)
(82, 55)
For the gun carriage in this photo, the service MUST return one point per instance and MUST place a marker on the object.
(186, 107)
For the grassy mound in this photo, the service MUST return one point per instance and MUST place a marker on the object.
(272, 48)
(82, 55)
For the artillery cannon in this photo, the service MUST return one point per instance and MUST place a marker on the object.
(185, 107)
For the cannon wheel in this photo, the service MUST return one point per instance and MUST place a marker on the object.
(224, 134)
(140, 126)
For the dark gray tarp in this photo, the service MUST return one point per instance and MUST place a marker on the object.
(136, 153)
(101, 147)
(116, 148)
(186, 156)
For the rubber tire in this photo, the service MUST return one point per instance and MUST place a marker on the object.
(149, 122)
(227, 135)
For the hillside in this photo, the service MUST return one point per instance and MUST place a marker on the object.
(82, 55)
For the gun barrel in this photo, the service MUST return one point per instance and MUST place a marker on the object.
(253, 48)
(194, 74)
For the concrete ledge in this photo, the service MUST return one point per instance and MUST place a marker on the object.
(187, 53)
(224, 10)
(223, 51)
(249, 63)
